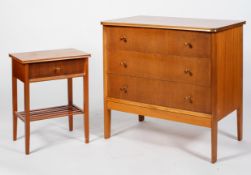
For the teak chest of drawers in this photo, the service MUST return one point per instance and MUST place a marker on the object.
(186, 70)
(39, 66)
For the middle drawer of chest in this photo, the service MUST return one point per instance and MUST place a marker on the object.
(195, 71)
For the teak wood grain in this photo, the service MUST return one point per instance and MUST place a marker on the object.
(162, 93)
(154, 65)
(38, 66)
(158, 41)
(48, 55)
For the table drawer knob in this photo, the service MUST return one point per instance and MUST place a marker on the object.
(57, 69)
(188, 72)
(188, 99)
(188, 45)
(123, 38)
(124, 89)
(123, 64)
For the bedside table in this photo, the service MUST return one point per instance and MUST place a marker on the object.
(31, 67)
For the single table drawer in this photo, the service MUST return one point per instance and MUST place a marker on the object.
(56, 68)
(162, 93)
(191, 70)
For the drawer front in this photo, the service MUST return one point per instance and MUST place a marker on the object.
(162, 93)
(192, 44)
(56, 68)
(160, 41)
(173, 68)
(136, 39)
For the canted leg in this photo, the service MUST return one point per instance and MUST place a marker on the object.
(86, 102)
(14, 106)
(214, 134)
(107, 122)
(141, 118)
(27, 118)
(240, 123)
(70, 102)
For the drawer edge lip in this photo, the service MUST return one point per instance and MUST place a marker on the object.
(162, 108)
(209, 86)
(34, 80)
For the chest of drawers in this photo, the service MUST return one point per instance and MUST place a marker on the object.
(186, 70)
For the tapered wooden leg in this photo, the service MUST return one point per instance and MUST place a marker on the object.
(107, 122)
(86, 102)
(14, 106)
(27, 112)
(240, 123)
(70, 102)
(214, 134)
(141, 118)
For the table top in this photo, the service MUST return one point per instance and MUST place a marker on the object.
(48, 55)
(192, 24)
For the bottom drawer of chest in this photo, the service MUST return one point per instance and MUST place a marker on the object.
(157, 92)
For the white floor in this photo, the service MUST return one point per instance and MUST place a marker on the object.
(153, 147)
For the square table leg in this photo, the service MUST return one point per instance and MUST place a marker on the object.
(141, 118)
(214, 138)
(86, 101)
(14, 106)
(70, 102)
(27, 109)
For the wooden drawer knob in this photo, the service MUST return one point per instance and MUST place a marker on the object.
(124, 89)
(188, 45)
(123, 64)
(188, 72)
(123, 38)
(57, 69)
(188, 99)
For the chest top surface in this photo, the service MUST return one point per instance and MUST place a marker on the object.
(203, 25)
(48, 55)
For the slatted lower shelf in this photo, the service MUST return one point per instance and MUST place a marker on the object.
(53, 112)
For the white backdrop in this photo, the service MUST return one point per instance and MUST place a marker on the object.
(28, 25)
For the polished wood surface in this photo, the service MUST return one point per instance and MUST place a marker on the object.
(48, 55)
(158, 41)
(14, 103)
(227, 63)
(86, 100)
(155, 111)
(70, 102)
(154, 66)
(162, 93)
(191, 24)
(56, 68)
(39, 66)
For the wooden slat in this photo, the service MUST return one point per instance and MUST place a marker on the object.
(52, 112)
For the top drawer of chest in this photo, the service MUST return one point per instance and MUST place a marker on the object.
(161, 41)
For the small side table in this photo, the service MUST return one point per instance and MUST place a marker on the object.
(30, 67)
